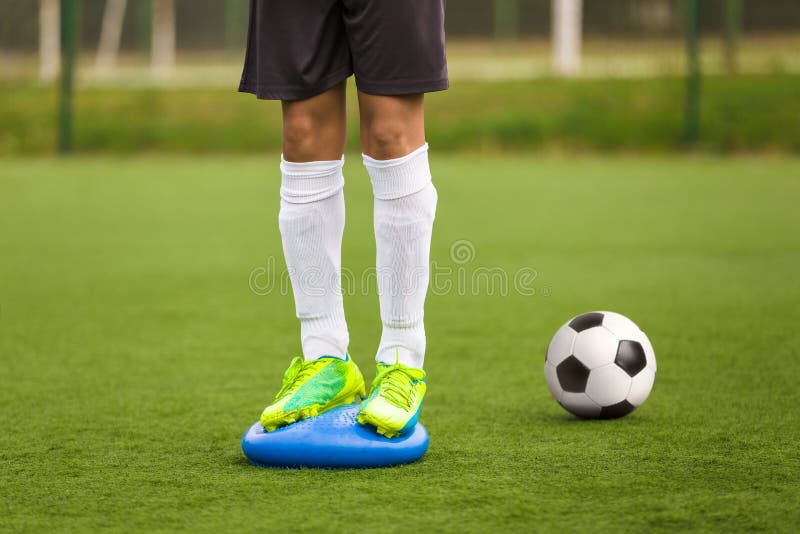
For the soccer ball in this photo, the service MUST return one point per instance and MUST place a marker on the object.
(600, 365)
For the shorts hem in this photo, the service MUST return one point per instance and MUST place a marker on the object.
(401, 87)
(277, 92)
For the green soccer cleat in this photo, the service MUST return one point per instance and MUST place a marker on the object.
(311, 388)
(395, 399)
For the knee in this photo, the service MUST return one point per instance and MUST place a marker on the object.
(299, 143)
(310, 136)
(387, 139)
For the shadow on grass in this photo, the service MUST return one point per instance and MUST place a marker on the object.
(563, 417)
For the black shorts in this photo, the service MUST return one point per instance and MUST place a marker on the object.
(297, 49)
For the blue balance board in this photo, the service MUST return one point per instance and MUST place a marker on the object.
(332, 440)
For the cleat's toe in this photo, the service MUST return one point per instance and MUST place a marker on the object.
(394, 401)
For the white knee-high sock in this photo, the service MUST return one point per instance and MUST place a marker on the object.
(311, 223)
(405, 206)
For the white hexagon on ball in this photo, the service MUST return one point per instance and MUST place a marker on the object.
(620, 326)
(560, 347)
(581, 405)
(596, 347)
(641, 385)
(608, 385)
(552, 380)
(600, 365)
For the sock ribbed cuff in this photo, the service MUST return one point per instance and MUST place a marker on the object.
(404, 345)
(313, 181)
(324, 336)
(400, 177)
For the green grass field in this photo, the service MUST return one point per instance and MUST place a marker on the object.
(134, 354)
(741, 114)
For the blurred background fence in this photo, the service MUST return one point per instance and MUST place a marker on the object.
(527, 74)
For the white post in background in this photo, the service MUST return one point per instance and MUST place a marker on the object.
(567, 36)
(163, 47)
(110, 35)
(49, 39)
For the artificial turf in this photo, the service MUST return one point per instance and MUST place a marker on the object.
(137, 344)
(739, 114)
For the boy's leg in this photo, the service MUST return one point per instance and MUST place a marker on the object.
(298, 53)
(312, 218)
(311, 225)
(395, 154)
(396, 157)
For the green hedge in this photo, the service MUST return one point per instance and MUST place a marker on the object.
(749, 113)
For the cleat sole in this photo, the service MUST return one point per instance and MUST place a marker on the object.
(384, 431)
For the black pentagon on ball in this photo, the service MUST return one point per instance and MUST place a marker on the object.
(630, 357)
(572, 375)
(586, 321)
(616, 410)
